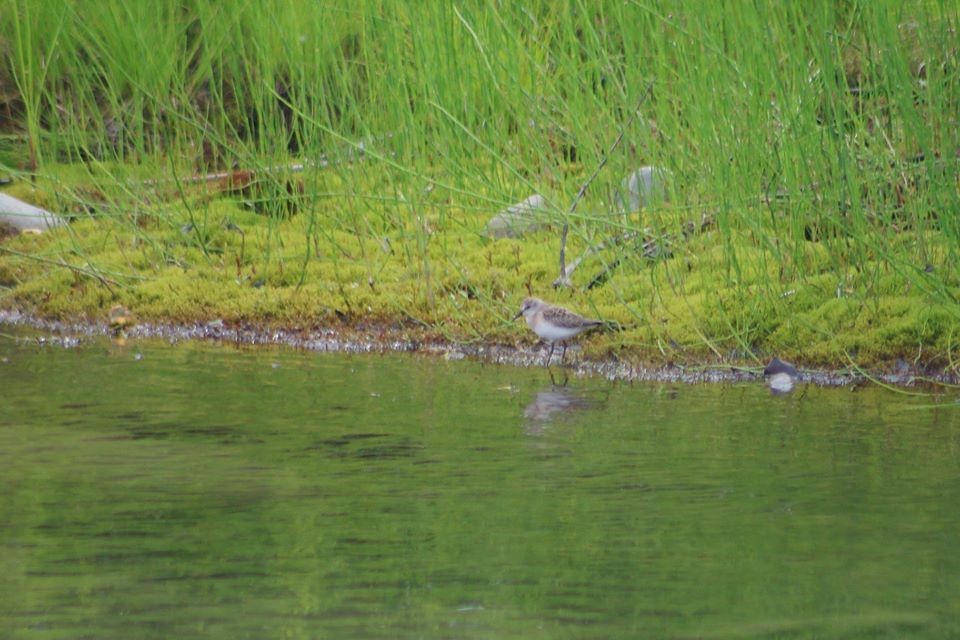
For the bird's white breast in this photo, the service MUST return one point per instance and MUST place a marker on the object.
(549, 331)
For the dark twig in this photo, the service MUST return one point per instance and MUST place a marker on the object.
(653, 247)
(609, 242)
(564, 279)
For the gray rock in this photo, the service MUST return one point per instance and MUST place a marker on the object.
(780, 376)
(644, 187)
(518, 219)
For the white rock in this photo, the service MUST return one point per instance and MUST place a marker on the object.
(26, 217)
(518, 219)
(644, 187)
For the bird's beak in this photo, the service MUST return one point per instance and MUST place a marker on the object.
(519, 313)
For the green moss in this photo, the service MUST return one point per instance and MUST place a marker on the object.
(715, 296)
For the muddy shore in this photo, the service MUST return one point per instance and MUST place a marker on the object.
(391, 340)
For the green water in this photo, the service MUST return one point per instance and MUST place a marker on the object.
(197, 491)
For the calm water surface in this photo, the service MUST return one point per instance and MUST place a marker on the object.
(197, 491)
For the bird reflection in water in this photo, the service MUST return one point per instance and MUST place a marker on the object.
(551, 404)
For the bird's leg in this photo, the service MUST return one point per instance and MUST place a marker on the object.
(563, 381)
(550, 355)
(564, 352)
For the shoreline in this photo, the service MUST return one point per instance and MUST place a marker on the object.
(391, 340)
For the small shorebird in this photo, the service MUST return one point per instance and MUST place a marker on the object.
(554, 324)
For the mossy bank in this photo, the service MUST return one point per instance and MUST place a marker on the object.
(337, 164)
(430, 271)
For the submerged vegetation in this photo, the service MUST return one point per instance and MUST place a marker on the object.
(313, 164)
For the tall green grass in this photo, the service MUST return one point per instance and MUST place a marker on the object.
(792, 124)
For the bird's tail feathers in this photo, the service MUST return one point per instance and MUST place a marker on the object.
(613, 325)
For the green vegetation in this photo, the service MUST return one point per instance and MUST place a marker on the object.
(820, 141)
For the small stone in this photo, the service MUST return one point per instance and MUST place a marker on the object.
(776, 365)
(780, 384)
(120, 318)
(780, 376)
(518, 219)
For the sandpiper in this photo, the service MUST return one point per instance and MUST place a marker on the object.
(554, 324)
